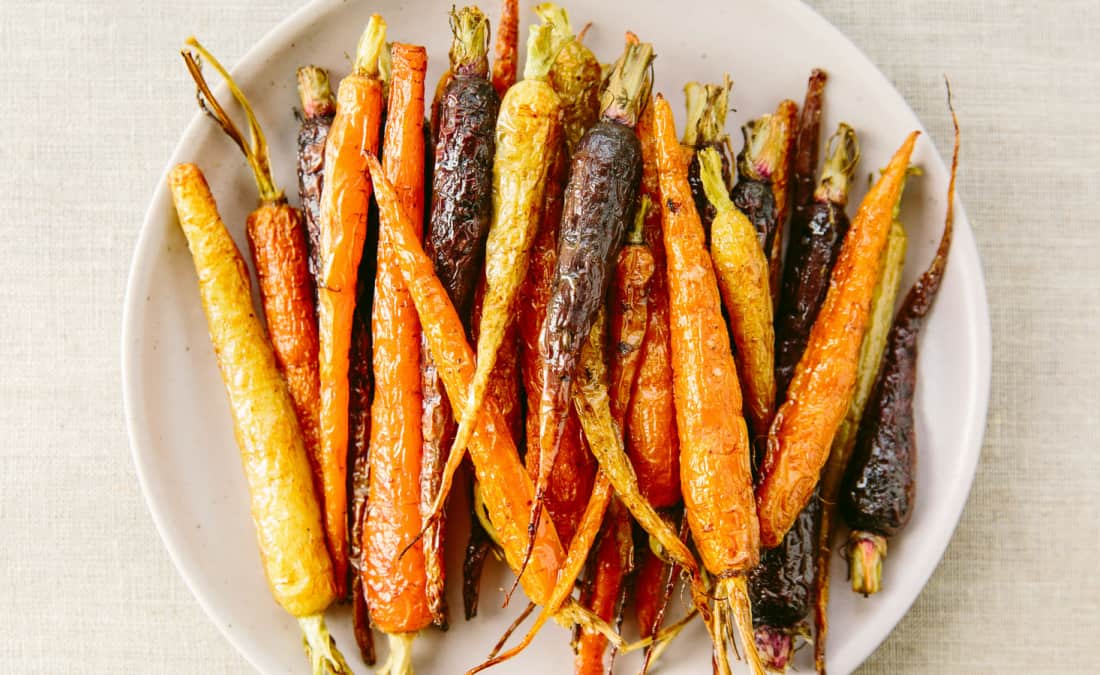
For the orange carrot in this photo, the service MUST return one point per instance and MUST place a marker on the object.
(344, 202)
(606, 594)
(394, 577)
(825, 378)
(507, 47)
(715, 472)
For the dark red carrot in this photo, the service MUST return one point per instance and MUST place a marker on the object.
(806, 146)
(707, 105)
(606, 594)
(461, 209)
(599, 201)
(879, 487)
(756, 166)
(318, 109)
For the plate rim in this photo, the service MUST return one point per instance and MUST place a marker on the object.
(139, 438)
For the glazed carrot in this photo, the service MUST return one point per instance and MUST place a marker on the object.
(715, 471)
(756, 166)
(742, 271)
(284, 508)
(879, 486)
(607, 592)
(437, 101)
(786, 114)
(506, 56)
(653, 585)
(576, 76)
(650, 430)
(604, 180)
(343, 231)
(318, 109)
(395, 578)
(527, 127)
(461, 208)
(807, 139)
(707, 105)
(821, 391)
(276, 237)
(870, 356)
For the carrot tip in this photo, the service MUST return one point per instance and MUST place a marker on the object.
(866, 552)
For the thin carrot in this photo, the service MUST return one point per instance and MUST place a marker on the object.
(395, 578)
(786, 114)
(715, 471)
(318, 109)
(506, 56)
(803, 174)
(613, 562)
(824, 380)
(742, 270)
(285, 511)
(707, 105)
(527, 127)
(343, 230)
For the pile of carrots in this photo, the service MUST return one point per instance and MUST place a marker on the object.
(660, 360)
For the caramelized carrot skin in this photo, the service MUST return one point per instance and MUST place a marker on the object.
(820, 392)
(806, 149)
(311, 160)
(275, 235)
(715, 475)
(395, 578)
(650, 428)
(629, 314)
(344, 204)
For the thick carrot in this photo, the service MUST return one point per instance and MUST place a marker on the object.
(461, 208)
(285, 510)
(715, 471)
(650, 430)
(824, 380)
(576, 76)
(742, 270)
(343, 230)
(394, 577)
(604, 180)
(786, 114)
(527, 127)
(506, 55)
(276, 237)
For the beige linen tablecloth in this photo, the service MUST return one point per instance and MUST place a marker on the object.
(90, 109)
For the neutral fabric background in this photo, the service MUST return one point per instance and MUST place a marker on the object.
(90, 110)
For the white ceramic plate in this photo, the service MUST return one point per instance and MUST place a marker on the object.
(179, 423)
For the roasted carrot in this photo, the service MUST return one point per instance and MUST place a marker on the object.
(576, 76)
(715, 472)
(437, 102)
(318, 109)
(879, 486)
(461, 209)
(650, 430)
(527, 127)
(742, 270)
(786, 114)
(343, 230)
(807, 139)
(870, 355)
(653, 586)
(607, 592)
(707, 105)
(284, 508)
(506, 54)
(756, 166)
(395, 578)
(276, 237)
(812, 254)
(824, 380)
(599, 200)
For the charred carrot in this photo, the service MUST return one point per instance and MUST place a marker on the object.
(707, 105)
(879, 487)
(276, 237)
(343, 231)
(395, 578)
(715, 472)
(599, 201)
(812, 254)
(285, 511)
(506, 54)
(461, 209)
(786, 114)
(742, 271)
(527, 127)
(318, 109)
(870, 355)
(804, 163)
(822, 386)
(756, 166)
(650, 430)
(576, 76)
